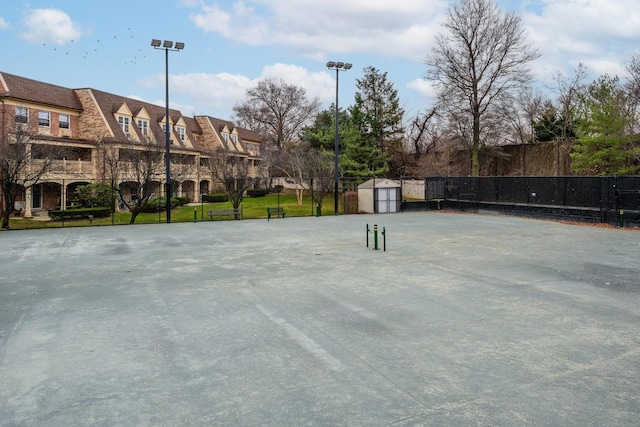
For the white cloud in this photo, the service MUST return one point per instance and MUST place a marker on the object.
(220, 92)
(600, 34)
(3, 24)
(425, 88)
(216, 92)
(396, 28)
(317, 84)
(51, 26)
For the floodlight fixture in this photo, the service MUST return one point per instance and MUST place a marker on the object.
(347, 66)
(179, 45)
(331, 64)
(168, 44)
(155, 43)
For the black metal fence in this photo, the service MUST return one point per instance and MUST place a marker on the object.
(607, 199)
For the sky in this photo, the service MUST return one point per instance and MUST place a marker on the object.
(231, 45)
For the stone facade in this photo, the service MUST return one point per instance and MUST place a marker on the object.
(101, 125)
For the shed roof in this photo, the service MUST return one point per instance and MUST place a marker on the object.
(379, 183)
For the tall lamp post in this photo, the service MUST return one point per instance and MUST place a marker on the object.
(338, 66)
(167, 45)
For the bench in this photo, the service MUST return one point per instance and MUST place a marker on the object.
(224, 212)
(275, 212)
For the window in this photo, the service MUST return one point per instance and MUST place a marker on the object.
(164, 132)
(144, 126)
(22, 115)
(181, 132)
(124, 123)
(44, 119)
(63, 121)
(225, 136)
(234, 139)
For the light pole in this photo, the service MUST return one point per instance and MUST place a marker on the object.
(167, 45)
(338, 66)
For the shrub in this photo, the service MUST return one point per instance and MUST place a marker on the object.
(152, 206)
(181, 201)
(95, 195)
(79, 213)
(215, 198)
(159, 205)
(257, 192)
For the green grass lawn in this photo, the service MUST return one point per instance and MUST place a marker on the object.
(252, 207)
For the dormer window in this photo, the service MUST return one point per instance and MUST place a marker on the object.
(234, 139)
(181, 132)
(124, 123)
(225, 136)
(144, 126)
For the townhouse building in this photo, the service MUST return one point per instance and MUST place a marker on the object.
(86, 127)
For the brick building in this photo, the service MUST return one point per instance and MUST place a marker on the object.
(82, 122)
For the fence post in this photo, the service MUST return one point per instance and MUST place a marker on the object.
(367, 235)
(384, 239)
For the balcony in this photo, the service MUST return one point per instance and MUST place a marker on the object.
(73, 168)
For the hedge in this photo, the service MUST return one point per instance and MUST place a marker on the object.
(79, 213)
(215, 198)
(257, 192)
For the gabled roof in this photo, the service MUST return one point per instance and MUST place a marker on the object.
(244, 135)
(109, 103)
(24, 89)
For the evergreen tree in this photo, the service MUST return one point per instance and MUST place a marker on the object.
(604, 145)
(378, 118)
(551, 126)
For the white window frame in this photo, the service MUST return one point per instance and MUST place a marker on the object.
(44, 119)
(22, 115)
(181, 132)
(234, 140)
(124, 123)
(225, 136)
(62, 123)
(144, 126)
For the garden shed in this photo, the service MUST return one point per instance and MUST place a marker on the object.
(379, 195)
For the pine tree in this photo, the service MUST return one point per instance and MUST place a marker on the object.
(378, 118)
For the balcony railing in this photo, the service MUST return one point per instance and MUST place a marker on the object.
(67, 167)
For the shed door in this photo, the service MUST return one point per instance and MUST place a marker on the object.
(387, 199)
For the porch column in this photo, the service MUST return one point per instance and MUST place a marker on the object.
(27, 203)
(196, 192)
(63, 196)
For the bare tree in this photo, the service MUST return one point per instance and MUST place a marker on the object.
(633, 87)
(319, 175)
(277, 110)
(293, 164)
(481, 57)
(421, 132)
(109, 165)
(232, 172)
(569, 90)
(23, 163)
(182, 167)
(518, 114)
(142, 163)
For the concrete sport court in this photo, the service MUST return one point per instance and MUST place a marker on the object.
(464, 320)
